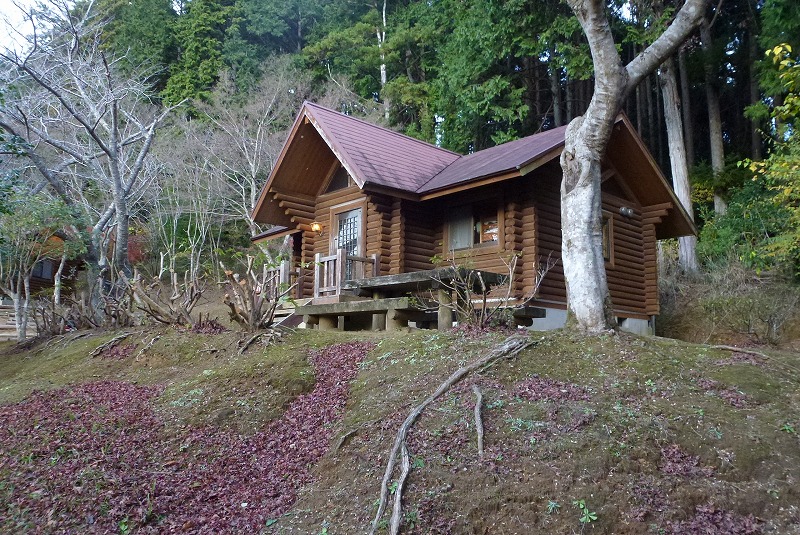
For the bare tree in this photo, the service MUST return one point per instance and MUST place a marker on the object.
(88, 128)
(687, 245)
(586, 140)
(248, 133)
(187, 201)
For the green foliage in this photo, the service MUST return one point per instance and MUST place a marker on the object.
(28, 226)
(552, 507)
(778, 177)
(753, 230)
(143, 32)
(586, 515)
(200, 33)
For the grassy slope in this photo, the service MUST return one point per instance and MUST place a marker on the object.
(644, 430)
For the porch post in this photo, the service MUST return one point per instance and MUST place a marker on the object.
(379, 319)
(317, 273)
(341, 259)
(376, 264)
(445, 319)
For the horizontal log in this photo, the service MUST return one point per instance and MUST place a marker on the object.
(299, 198)
(341, 199)
(421, 259)
(417, 266)
(421, 251)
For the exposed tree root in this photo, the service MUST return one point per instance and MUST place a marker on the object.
(478, 419)
(741, 350)
(148, 346)
(111, 343)
(250, 341)
(345, 437)
(510, 347)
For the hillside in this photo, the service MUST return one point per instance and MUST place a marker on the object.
(186, 435)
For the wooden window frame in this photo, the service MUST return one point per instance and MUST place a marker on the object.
(476, 248)
(333, 224)
(607, 230)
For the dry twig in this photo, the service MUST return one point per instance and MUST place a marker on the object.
(741, 350)
(148, 346)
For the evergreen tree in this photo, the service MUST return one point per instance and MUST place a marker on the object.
(200, 32)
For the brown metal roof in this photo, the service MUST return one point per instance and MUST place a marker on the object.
(510, 156)
(379, 156)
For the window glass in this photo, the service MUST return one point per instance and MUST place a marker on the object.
(606, 238)
(487, 228)
(339, 181)
(460, 229)
(469, 226)
(43, 270)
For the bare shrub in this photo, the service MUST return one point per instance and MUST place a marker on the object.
(481, 303)
(254, 297)
(168, 304)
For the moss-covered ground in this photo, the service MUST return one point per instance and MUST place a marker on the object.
(651, 435)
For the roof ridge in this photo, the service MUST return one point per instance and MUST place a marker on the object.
(442, 170)
(388, 130)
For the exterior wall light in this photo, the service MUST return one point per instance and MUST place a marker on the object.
(626, 211)
(316, 227)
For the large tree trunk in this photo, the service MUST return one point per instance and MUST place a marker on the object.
(687, 245)
(122, 219)
(686, 108)
(587, 137)
(714, 117)
(555, 89)
(755, 94)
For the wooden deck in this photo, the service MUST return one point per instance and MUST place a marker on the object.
(383, 302)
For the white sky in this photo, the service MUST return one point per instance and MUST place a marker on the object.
(11, 22)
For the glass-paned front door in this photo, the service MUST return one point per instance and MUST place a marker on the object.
(348, 236)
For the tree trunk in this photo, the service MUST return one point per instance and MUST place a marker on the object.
(26, 303)
(755, 94)
(686, 108)
(555, 89)
(687, 245)
(16, 298)
(122, 220)
(586, 140)
(570, 99)
(714, 118)
(57, 280)
(381, 35)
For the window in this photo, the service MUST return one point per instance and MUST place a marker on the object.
(339, 180)
(608, 237)
(43, 270)
(473, 226)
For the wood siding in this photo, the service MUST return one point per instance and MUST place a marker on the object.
(531, 228)
(408, 234)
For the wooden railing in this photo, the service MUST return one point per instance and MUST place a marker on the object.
(281, 277)
(330, 271)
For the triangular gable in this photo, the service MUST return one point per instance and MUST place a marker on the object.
(372, 155)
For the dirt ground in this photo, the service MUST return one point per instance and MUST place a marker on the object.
(648, 435)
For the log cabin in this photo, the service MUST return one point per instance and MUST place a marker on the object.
(359, 201)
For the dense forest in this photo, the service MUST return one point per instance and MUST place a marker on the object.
(161, 120)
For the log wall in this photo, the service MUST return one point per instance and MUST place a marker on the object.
(408, 234)
(531, 229)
